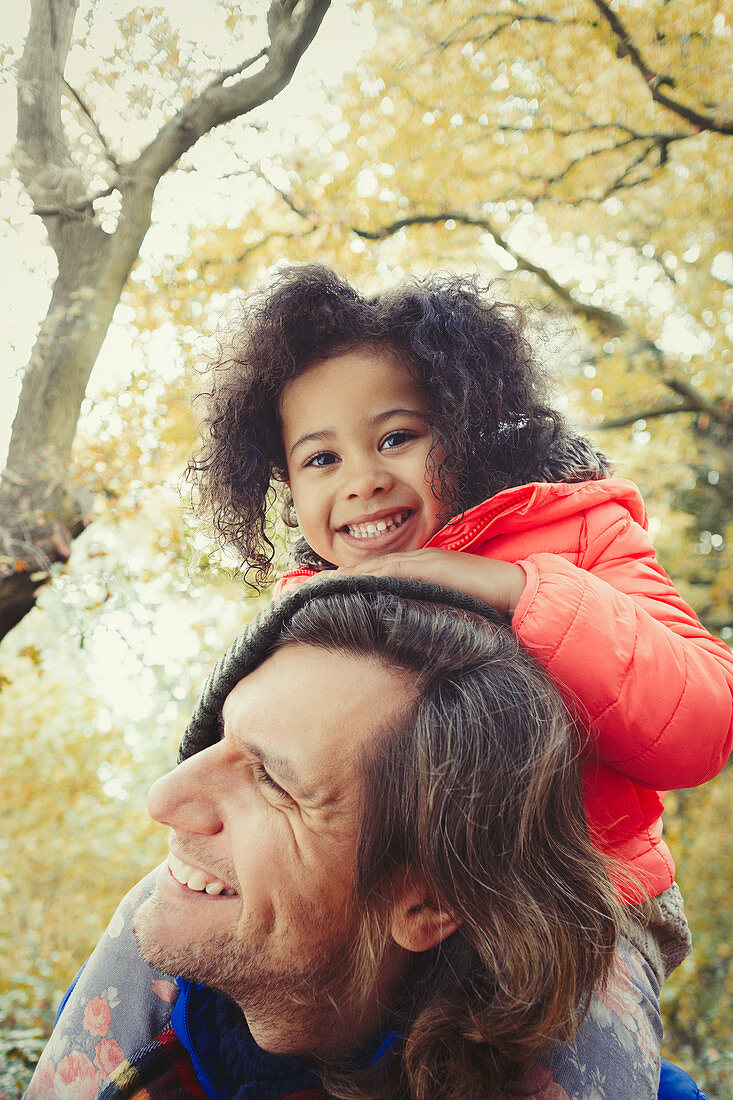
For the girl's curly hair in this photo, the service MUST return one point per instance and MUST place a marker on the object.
(471, 354)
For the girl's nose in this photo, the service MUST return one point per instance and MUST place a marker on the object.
(186, 798)
(367, 480)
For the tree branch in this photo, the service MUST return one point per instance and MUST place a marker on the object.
(717, 413)
(42, 155)
(549, 181)
(93, 122)
(653, 413)
(609, 323)
(653, 80)
(301, 211)
(254, 247)
(77, 207)
(622, 181)
(292, 25)
(505, 20)
(238, 69)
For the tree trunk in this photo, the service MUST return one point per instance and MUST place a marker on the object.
(39, 512)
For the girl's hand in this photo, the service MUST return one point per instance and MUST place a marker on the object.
(499, 584)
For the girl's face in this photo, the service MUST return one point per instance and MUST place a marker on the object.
(356, 443)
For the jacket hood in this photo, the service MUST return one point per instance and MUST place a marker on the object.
(259, 639)
(527, 507)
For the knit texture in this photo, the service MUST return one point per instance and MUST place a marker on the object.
(659, 930)
(257, 641)
(249, 1073)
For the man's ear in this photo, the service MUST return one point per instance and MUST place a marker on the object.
(418, 921)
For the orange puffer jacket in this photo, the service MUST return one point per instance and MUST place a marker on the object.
(655, 690)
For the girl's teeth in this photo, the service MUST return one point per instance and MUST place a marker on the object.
(369, 530)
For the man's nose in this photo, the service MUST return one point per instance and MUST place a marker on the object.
(185, 798)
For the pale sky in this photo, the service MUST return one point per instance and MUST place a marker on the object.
(117, 642)
(27, 265)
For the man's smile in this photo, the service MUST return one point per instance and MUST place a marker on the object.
(196, 879)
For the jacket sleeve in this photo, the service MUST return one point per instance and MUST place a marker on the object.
(116, 1006)
(623, 645)
(290, 581)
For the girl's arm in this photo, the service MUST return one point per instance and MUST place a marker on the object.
(617, 637)
(654, 688)
(499, 584)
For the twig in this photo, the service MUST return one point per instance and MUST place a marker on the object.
(653, 413)
(654, 80)
(77, 207)
(238, 69)
(689, 393)
(608, 322)
(302, 212)
(93, 122)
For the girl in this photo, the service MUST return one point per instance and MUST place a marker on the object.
(408, 426)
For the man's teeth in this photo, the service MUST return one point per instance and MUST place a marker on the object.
(371, 530)
(195, 879)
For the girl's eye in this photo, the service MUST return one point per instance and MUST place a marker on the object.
(396, 439)
(323, 458)
(264, 777)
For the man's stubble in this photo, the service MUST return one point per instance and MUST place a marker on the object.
(234, 963)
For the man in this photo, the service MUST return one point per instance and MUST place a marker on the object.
(379, 878)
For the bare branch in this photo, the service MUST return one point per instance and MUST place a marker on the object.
(93, 122)
(289, 201)
(650, 145)
(292, 25)
(549, 181)
(257, 245)
(653, 80)
(239, 69)
(609, 323)
(74, 207)
(653, 413)
(505, 20)
(592, 127)
(622, 181)
(691, 402)
(689, 393)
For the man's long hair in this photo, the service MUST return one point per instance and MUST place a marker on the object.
(478, 791)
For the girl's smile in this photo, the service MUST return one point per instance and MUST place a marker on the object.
(359, 451)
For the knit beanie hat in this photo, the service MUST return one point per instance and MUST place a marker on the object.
(259, 639)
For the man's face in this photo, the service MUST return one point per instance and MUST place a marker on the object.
(268, 820)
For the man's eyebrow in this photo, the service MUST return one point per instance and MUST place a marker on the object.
(327, 434)
(281, 767)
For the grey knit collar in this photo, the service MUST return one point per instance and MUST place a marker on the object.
(256, 642)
